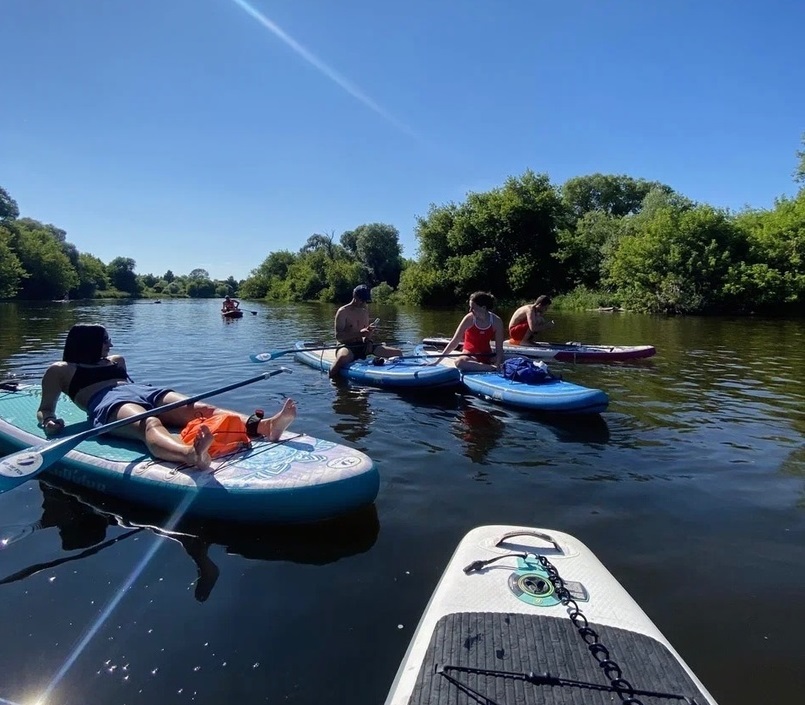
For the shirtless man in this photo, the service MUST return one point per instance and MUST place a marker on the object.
(99, 383)
(353, 331)
(529, 320)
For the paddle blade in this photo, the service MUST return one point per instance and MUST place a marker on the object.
(25, 464)
(265, 356)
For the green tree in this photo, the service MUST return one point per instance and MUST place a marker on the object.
(8, 206)
(774, 271)
(581, 248)
(39, 249)
(675, 260)
(11, 270)
(169, 276)
(319, 242)
(377, 248)
(122, 276)
(200, 288)
(799, 173)
(616, 195)
(148, 280)
(500, 240)
(265, 280)
(199, 274)
(92, 276)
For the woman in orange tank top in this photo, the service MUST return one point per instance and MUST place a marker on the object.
(475, 333)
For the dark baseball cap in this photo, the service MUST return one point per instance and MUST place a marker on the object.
(362, 293)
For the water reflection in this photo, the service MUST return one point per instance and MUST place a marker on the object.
(83, 517)
(352, 411)
(479, 429)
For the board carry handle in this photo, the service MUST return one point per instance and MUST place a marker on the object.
(536, 534)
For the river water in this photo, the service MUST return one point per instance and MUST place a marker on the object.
(690, 489)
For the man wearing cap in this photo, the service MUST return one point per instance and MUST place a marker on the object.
(353, 331)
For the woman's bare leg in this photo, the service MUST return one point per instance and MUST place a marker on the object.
(160, 442)
(467, 364)
(271, 427)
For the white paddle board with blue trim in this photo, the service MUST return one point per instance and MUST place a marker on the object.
(394, 373)
(297, 479)
(531, 616)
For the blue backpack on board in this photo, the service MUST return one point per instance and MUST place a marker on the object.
(521, 369)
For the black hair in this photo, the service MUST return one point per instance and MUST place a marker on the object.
(543, 300)
(84, 343)
(483, 298)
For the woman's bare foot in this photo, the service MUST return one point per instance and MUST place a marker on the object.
(274, 427)
(200, 455)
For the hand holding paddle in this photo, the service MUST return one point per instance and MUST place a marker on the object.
(27, 464)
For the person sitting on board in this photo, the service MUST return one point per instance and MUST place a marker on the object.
(230, 304)
(99, 383)
(476, 332)
(353, 331)
(528, 320)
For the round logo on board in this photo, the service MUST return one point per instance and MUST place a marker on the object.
(21, 464)
(530, 583)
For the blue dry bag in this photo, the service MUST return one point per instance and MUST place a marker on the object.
(521, 369)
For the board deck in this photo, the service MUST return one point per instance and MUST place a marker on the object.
(497, 630)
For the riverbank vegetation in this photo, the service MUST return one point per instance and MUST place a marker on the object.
(595, 241)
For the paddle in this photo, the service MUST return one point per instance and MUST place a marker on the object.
(28, 463)
(274, 354)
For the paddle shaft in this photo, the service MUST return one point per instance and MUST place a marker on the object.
(26, 464)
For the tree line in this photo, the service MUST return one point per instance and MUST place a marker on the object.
(38, 263)
(595, 240)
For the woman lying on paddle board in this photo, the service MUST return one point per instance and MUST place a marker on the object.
(99, 383)
(476, 332)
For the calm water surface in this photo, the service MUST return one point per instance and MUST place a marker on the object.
(690, 488)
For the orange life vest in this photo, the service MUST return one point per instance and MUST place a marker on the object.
(228, 432)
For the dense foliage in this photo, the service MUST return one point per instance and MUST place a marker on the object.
(599, 239)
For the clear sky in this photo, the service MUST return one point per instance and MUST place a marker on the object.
(208, 133)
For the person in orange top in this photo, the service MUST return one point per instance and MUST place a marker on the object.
(476, 332)
(230, 304)
(528, 320)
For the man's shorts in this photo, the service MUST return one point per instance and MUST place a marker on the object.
(102, 404)
(519, 331)
(359, 350)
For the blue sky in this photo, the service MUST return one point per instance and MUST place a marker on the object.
(208, 133)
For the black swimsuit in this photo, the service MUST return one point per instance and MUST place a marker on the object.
(86, 375)
(360, 350)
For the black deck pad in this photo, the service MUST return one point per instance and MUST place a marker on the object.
(520, 643)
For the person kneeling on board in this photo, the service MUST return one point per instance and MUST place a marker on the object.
(99, 384)
(528, 320)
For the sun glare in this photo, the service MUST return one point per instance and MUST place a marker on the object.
(323, 68)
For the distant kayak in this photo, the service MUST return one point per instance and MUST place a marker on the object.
(410, 373)
(234, 313)
(551, 395)
(526, 616)
(568, 352)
